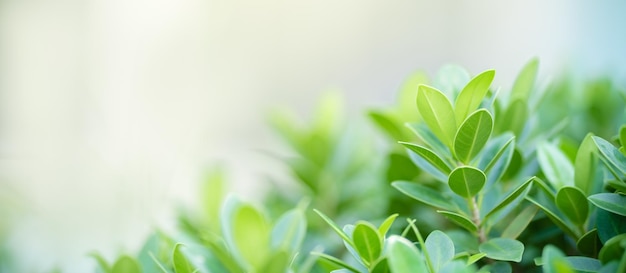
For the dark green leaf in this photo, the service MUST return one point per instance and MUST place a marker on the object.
(520, 222)
(367, 242)
(381, 266)
(609, 224)
(432, 158)
(612, 249)
(519, 191)
(525, 80)
(589, 244)
(466, 181)
(555, 165)
(612, 202)
(472, 135)
(460, 220)
(555, 218)
(440, 249)
(424, 194)
(573, 203)
(472, 95)
(617, 185)
(584, 264)
(503, 249)
(437, 112)
(403, 256)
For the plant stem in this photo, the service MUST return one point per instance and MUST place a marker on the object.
(477, 221)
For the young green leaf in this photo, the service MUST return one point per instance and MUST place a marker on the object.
(181, 264)
(555, 165)
(525, 80)
(475, 258)
(440, 249)
(424, 194)
(612, 202)
(429, 156)
(437, 112)
(403, 256)
(386, 225)
(466, 181)
(367, 242)
(472, 95)
(614, 157)
(388, 124)
(503, 249)
(585, 165)
(520, 222)
(573, 203)
(277, 262)
(460, 220)
(126, 264)
(251, 232)
(472, 135)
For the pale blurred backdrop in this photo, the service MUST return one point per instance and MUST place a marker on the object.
(111, 110)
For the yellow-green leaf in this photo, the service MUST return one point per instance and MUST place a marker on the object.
(472, 95)
(437, 112)
(472, 135)
(466, 181)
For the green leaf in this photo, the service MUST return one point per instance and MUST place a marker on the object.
(336, 228)
(555, 165)
(589, 244)
(432, 158)
(424, 194)
(403, 256)
(387, 123)
(614, 156)
(496, 158)
(251, 232)
(472, 95)
(277, 262)
(437, 112)
(585, 165)
(289, 231)
(564, 226)
(473, 135)
(612, 202)
(126, 264)
(451, 79)
(520, 222)
(584, 264)
(335, 261)
(519, 191)
(514, 118)
(609, 224)
(554, 261)
(367, 242)
(525, 80)
(102, 263)
(573, 203)
(181, 264)
(475, 258)
(612, 249)
(503, 249)
(381, 266)
(460, 220)
(426, 135)
(386, 225)
(617, 185)
(466, 181)
(440, 249)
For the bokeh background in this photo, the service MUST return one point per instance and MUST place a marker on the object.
(111, 110)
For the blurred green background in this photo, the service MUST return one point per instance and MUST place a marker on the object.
(111, 111)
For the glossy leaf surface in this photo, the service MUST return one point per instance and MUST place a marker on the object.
(466, 181)
(473, 135)
(437, 112)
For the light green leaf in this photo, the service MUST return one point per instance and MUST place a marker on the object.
(335, 261)
(519, 191)
(585, 165)
(513, 118)
(609, 224)
(555, 165)
(520, 222)
(472, 135)
(614, 157)
(126, 264)
(554, 261)
(572, 202)
(289, 231)
(460, 220)
(451, 79)
(102, 263)
(424, 194)
(503, 249)
(589, 244)
(472, 95)
(181, 264)
(525, 80)
(336, 228)
(277, 262)
(437, 112)
(496, 158)
(408, 93)
(387, 123)
(386, 225)
(426, 135)
(251, 232)
(612, 249)
(612, 202)
(367, 242)
(425, 166)
(475, 258)
(466, 181)
(403, 256)
(429, 156)
(440, 249)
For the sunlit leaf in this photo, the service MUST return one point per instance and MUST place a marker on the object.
(391, 127)
(503, 249)
(386, 225)
(429, 156)
(367, 241)
(514, 118)
(573, 203)
(612, 202)
(466, 181)
(403, 256)
(472, 135)
(585, 165)
(335, 261)
(336, 228)
(525, 80)
(437, 112)
(126, 264)
(181, 264)
(451, 79)
(472, 95)
(440, 249)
